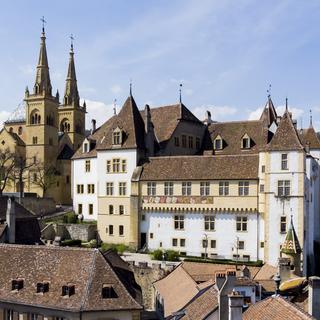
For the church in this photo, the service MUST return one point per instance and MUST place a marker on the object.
(46, 132)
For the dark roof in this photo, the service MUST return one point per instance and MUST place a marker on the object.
(66, 153)
(86, 269)
(275, 308)
(286, 137)
(3, 227)
(233, 132)
(309, 136)
(269, 114)
(201, 168)
(27, 225)
(130, 121)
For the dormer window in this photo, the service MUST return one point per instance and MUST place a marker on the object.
(68, 290)
(245, 142)
(108, 292)
(86, 147)
(117, 136)
(42, 287)
(17, 284)
(218, 143)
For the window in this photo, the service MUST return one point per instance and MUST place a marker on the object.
(223, 188)
(121, 209)
(242, 223)
(90, 209)
(42, 287)
(17, 284)
(116, 165)
(186, 188)
(168, 188)
(283, 224)
(241, 245)
(176, 141)
(124, 165)
(85, 147)
(151, 188)
(20, 131)
(283, 188)
(122, 188)
(109, 189)
(151, 235)
(245, 143)
(67, 179)
(111, 209)
(204, 188)
(108, 166)
(263, 169)
(80, 208)
(90, 188)
(111, 230)
(213, 244)
(197, 143)
(262, 244)
(261, 187)
(34, 140)
(209, 223)
(68, 290)
(108, 292)
(190, 142)
(182, 242)
(116, 137)
(179, 222)
(121, 230)
(184, 141)
(284, 161)
(174, 242)
(80, 188)
(243, 188)
(246, 257)
(205, 243)
(217, 143)
(87, 166)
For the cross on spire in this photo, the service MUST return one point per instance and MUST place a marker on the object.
(43, 22)
(180, 92)
(71, 39)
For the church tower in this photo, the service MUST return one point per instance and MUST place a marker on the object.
(71, 114)
(42, 114)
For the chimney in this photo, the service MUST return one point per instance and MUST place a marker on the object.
(245, 272)
(235, 305)
(208, 119)
(93, 125)
(294, 121)
(220, 279)
(314, 297)
(149, 131)
(11, 220)
(284, 269)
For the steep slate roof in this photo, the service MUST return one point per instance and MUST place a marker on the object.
(130, 121)
(201, 168)
(309, 136)
(166, 118)
(286, 137)
(269, 114)
(275, 308)
(60, 266)
(66, 153)
(291, 244)
(232, 133)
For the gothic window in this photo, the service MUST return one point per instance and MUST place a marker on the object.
(65, 125)
(35, 117)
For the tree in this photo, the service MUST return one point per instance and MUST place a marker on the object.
(7, 165)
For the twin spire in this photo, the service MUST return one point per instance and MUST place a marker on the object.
(43, 84)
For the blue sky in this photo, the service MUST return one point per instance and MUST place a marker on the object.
(224, 52)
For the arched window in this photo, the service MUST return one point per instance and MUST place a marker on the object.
(65, 125)
(35, 117)
(218, 143)
(246, 142)
(20, 131)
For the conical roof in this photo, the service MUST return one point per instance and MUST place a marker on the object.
(269, 114)
(309, 138)
(291, 244)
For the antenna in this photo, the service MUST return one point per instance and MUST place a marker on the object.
(310, 111)
(130, 87)
(71, 38)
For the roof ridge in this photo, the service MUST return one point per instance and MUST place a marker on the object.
(205, 156)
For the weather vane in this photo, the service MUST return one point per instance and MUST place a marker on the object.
(130, 87)
(115, 106)
(269, 91)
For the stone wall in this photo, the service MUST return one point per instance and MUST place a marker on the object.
(83, 232)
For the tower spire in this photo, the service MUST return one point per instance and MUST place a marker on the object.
(71, 95)
(130, 88)
(43, 83)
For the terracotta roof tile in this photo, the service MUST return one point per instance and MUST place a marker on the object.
(275, 308)
(309, 136)
(201, 168)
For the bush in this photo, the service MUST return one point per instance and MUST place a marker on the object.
(71, 243)
(157, 254)
(119, 248)
(172, 255)
(70, 217)
(168, 255)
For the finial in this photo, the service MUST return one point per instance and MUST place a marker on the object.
(115, 106)
(84, 104)
(71, 46)
(310, 111)
(269, 91)
(180, 95)
(43, 22)
(130, 87)
(286, 103)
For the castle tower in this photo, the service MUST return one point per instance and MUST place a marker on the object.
(42, 115)
(71, 114)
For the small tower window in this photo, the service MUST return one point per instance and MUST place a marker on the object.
(68, 290)
(20, 131)
(108, 292)
(117, 136)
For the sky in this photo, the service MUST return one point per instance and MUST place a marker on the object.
(225, 54)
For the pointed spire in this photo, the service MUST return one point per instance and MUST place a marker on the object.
(286, 104)
(291, 244)
(71, 95)
(43, 83)
(269, 113)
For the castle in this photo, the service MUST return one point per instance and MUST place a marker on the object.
(46, 132)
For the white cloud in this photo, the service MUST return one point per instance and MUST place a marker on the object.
(4, 115)
(255, 114)
(97, 110)
(116, 89)
(296, 112)
(218, 113)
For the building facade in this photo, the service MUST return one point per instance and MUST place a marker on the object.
(220, 189)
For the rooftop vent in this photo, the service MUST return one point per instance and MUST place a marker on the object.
(68, 290)
(108, 292)
(17, 284)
